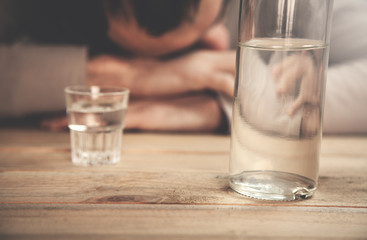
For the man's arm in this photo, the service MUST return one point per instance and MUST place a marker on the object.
(346, 98)
(194, 112)
(346, 87)
(170, 95)
(197, 71)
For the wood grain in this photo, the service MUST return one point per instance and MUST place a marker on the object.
(131, 187)
(168, 187)
(177, 220)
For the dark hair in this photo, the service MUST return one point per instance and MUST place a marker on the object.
(156, 17)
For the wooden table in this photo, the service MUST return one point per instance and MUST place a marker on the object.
(168, 187)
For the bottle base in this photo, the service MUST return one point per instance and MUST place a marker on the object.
(272, 185)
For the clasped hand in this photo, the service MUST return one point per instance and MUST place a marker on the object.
(298, 73)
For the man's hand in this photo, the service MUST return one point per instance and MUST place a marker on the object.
(55, 124)
(206, 69)
(298, 71)
(197, 71)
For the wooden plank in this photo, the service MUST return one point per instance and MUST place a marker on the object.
(344, 145)
(130, 187)
(158, 237)
(146, 152)
(137, 142)
(61, 161)
(168, 187)
(163, 161)
(174, 221)
(38, 172)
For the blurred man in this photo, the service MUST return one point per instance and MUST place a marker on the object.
(172, 55)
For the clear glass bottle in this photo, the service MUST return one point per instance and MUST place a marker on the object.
(282, 59)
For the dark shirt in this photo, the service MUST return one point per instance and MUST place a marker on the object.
(64, 22)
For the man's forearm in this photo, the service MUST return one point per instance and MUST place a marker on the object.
(190, 113)
(146, 77)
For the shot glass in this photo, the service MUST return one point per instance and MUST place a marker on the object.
(282, 59)
(96, 120)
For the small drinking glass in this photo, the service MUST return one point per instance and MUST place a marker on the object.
(96, 120)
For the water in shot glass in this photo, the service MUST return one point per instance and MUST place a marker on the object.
(281, 66)
(96, 120)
